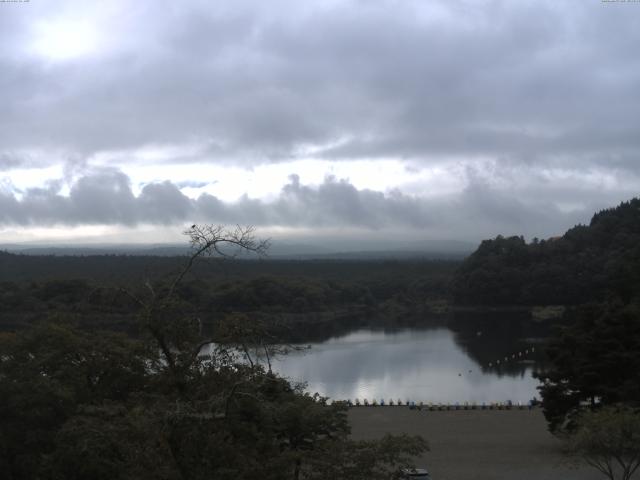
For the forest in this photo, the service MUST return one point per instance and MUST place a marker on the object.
(81, 402)
(102, 375)
(327, 294)
(594, 270)
(588, 263)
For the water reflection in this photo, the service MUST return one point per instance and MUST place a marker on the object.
(428, 365)
(489, 337)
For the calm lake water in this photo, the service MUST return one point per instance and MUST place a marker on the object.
(429, 365)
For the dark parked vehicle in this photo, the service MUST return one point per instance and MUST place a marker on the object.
(415, 474)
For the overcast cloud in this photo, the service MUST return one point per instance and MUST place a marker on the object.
(526, 111)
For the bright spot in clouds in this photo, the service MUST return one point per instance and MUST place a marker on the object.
(266, 181)
(65, 39)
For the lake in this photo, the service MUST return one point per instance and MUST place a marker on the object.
(438, 365)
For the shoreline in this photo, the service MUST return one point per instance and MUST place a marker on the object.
(443, 407)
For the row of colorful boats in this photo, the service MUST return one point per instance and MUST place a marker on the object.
(508, 405)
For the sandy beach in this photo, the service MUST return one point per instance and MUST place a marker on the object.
(475, 444)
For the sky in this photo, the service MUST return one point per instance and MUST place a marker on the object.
(401, 121)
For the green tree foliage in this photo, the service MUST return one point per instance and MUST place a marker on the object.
(595, 361)
(93, 405)
(336, 292)
(609, 440)
(588, 263)
(594, 269)
(46, 373)
(80, 405)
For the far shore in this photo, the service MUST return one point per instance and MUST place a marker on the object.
(537, 312)
(475, 444)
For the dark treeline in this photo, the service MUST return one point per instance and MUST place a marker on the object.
(130, 269)
(588, 263)
(595, 271)
(323, 295)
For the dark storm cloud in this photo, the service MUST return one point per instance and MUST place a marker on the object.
(105, 197)
(539, 80)
(334, 203)
(100, 198)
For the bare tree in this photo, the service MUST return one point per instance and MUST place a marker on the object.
(178, 338)
(218, 240)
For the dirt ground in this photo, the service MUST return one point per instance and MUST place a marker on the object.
(475, 444)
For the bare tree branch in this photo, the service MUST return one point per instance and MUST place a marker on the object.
(207, 240)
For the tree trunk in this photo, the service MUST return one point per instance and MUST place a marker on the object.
(296, 470)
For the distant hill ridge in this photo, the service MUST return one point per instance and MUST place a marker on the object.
(587, 263)
(449, 249)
